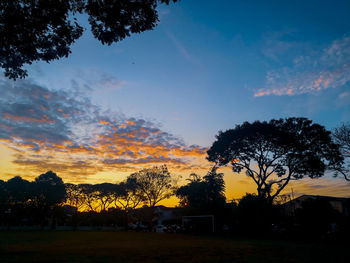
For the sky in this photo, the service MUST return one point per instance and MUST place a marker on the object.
(161, 96)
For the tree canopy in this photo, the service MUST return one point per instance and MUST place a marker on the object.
(206, 192)
(341, 136)
(131, 196)
(18, 190)
(154, 183)
(45, 29)
(49, 190)
(274, 153)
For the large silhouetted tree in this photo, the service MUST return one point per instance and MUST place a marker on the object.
(17, 190)
(48, 190)
(154, 183)
(341, 136)
(274, 153)
(45, 29)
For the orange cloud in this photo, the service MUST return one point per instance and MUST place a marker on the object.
(130, 123)
(193, 152)
(20, 118)
(259, 94)
(82, 145)
(65, 115)
(6, 127)
(318, 82)
(105, 122)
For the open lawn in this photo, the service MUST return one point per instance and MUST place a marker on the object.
(153, 247)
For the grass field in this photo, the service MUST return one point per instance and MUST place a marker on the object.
(152, 247)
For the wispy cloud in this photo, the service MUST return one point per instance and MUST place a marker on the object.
(65, 132)
(344, 95)
(180, 47)
(94, 79)
(109, 81)
(277, 44)
(326, 185)
(328, 68)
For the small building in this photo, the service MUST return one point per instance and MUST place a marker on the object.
(340, 204)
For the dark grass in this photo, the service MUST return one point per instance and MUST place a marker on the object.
(153, 247)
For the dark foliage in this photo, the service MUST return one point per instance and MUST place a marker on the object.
(3, 194)
(45, 29)
(341, 136)
(48, 190)
(17, 191)
(106, 194)
(256, 215)
(204, 196)
(203, 193)
(130, 196)
(155, 184)
(23, 202)
(275, 152)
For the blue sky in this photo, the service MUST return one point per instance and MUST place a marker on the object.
(207, 66)
(198, 71)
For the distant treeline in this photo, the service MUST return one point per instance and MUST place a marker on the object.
(271, 154)
(48, 202)
(48, 197)
(146, 187)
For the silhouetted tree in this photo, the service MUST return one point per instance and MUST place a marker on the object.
(193, 194)
(130, 195)
(100, 197)
(90, 197)
(215, 187)
(74, 196)
(3, 194)
(154, 183)
(274, 153)
(106, 194)
(341, 136)
(49, 190)
(18, 190)
(45, 29)
(203, 193)
(3, 202)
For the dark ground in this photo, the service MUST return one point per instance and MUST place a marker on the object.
(152, 247)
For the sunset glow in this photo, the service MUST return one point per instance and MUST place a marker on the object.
(161, 97)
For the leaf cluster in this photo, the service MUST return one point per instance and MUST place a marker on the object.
(203, 193)
(33, 30)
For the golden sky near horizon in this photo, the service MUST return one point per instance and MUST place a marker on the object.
(62, 131)
(237, 185)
